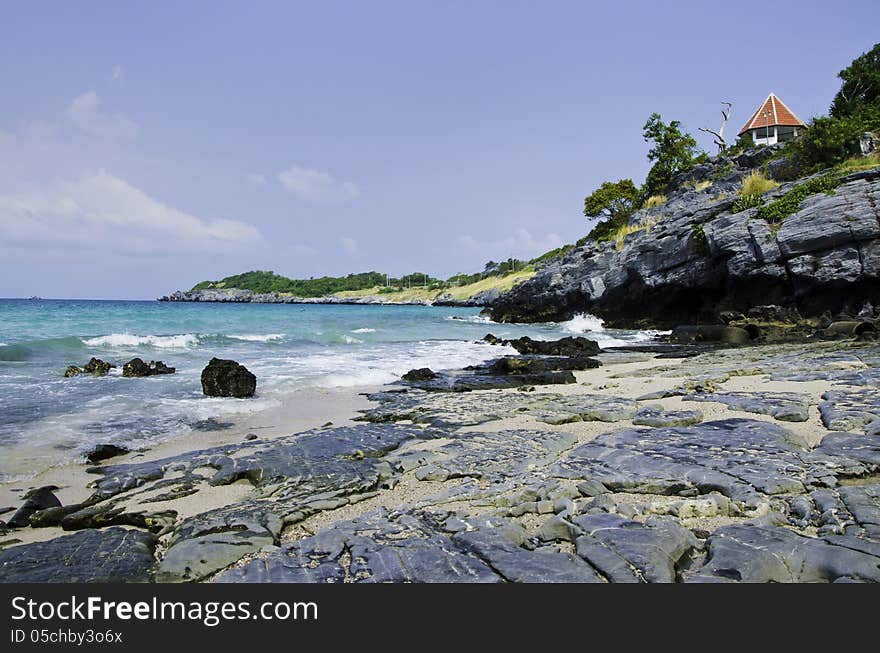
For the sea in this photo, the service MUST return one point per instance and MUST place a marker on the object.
(290, 347)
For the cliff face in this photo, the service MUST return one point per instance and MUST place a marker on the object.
(824, 257)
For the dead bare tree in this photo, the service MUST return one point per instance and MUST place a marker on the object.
(719, 135)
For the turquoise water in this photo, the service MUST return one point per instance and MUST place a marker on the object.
(288, 347)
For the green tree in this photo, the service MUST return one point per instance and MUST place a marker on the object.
(860, 87)
(614, 202)
(672, 152)
(854, 110)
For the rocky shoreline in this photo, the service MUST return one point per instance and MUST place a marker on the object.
(672, 463)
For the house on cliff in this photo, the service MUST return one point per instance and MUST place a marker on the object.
(773, 122)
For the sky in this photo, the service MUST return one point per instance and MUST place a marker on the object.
(147, 146)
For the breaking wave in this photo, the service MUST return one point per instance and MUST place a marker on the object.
(255, 337)
(184, 341)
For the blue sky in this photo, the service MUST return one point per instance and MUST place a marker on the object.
(147, 146)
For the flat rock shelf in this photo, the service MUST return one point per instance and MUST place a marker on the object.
(752, 464)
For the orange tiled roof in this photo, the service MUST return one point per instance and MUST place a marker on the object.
(772, 113)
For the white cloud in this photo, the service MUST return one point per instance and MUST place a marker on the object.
(316, 186)
(118, 73)
(350, 246)
(84, 113)
(255, 180)
(100, 210)
(55, 193)
(519, 244)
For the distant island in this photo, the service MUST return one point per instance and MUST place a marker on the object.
(260, 286)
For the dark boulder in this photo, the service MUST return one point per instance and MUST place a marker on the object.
(105, 451)
(568, 346)
(49, 517)
(97, 367)
(158, 367)
(226, 378)
(421, 374)
(137, 368)
(35, 500)
(733, 335)
(104, 516)
(517, 365)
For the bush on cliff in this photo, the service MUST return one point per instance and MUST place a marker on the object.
(779, 209)
(615, 202)
(673, 152)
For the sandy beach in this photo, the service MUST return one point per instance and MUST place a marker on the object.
(292, 413)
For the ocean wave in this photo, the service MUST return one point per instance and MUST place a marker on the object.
(364, 330)
(594, 327)
(49, 347)
(473, 319)
(372, 367)
(583, 323)
(255, 337)
(350, 340)
(183, 341)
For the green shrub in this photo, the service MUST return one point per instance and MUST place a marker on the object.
(546, 257)
(779, 209)
(723, 171)
(744, 202)
(699, 240)
(743, 143)
(606, 229)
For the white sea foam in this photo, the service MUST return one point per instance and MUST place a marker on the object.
(183, 341)
(594, 327)
(583, 323)
(350, 340)
(364, 330)
(256, 337)
(473, 319)
(377, 366)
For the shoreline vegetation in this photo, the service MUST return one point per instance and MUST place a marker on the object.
(416, 289)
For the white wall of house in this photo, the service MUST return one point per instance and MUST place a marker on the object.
(764, 136)
(773, 135)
